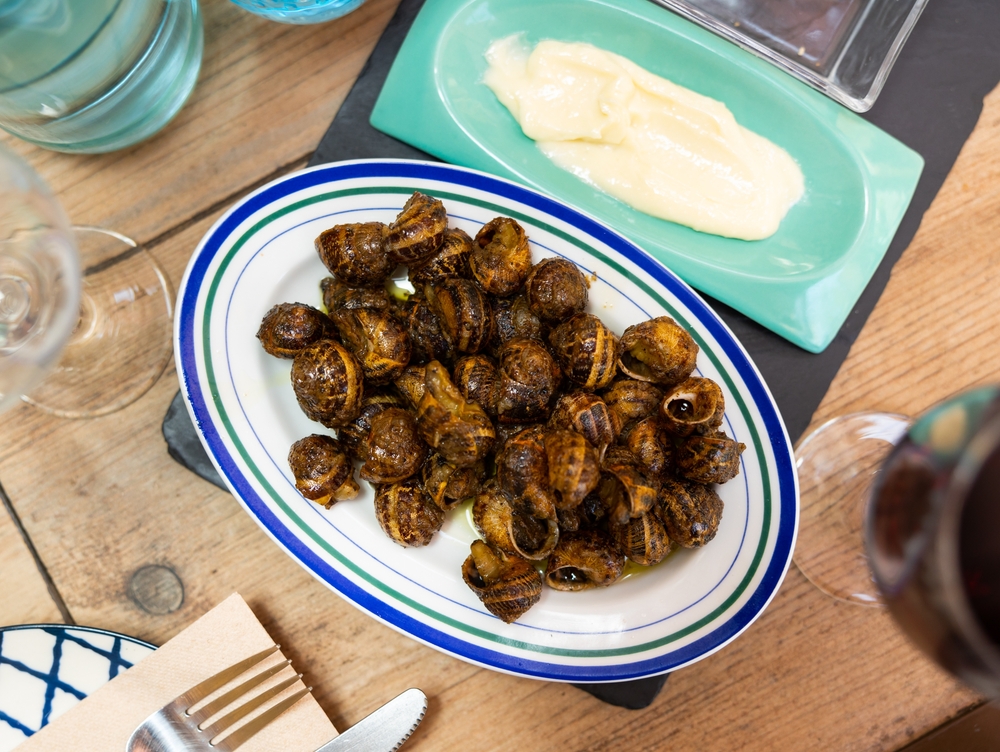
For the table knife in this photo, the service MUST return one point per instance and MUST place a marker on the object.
(386, 729)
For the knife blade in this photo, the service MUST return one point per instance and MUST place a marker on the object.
(384, 730)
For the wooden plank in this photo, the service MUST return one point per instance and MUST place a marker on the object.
(26, 598)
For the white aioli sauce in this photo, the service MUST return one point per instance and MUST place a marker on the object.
(663, 149)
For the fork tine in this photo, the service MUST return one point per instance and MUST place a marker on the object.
(225, 700)
(212, 683)
(248, 707)
(244, 732)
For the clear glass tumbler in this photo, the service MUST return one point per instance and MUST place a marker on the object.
(95, 75)
(300, 11)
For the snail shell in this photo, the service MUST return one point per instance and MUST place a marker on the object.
(328, 383)
(587, 351)
(709, 459)
(587, 414)
(643, 539)
(632, 400)
(406, 513)
(526, 383)
(338, 296)
(510, 526)
(410, 384)
(696, 405)
(322, 470)
(353, 435)
(512, 317)
(584, 560)
(523, 471)
(418, 230)
(451, 424)
(574, 468)
(393, 450)
(657, 350)
(451, 260)
(650, 445)
(501, 258)
(379, 342)
(691, 512)
(507, 585)
(288, 327)
(476, 378)
(463, 311)
(355, 253)
(449, 485)
(427, 337)
(556, 289)
(623, 488)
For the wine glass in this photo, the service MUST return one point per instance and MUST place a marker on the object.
(906, 513)
(85, 313)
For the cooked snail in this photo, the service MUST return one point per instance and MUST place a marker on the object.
(696, 405)
(509, 525)
(338, 296)
(523, 471)
(649, 444)
(501, 258)
(589, 415)
(447, 484)
(394, 449)
(512, 317)
(658, 350)
(507, 585)
(584, 560)
(624, 490)
(354, 434)
(457, 428)
(709, 459)
(463, 311)
(451, 260)
(355, 253)
(556, 289)
(643, 539)
(574, 467)
(418, 230)
(526, 383)
(328, 383)
(586, 350)
(691, 512)
(406, 513)
(410, 384)
(288, 327)
(379, 342)
(322, 469)
(427, 337)
(476, 378)
(632, 400)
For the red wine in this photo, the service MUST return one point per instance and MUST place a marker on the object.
(979, 547)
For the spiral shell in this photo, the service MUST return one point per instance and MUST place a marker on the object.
(510, 526)
(556, 289)
(623, 488)
(696, 405)
(526, 382)
(648, 441)
(288, 327)
(449, 485)
(523, 471)
(338, 296)
(643, 539)
(506, 585)
(588, 415)
(657, 350)
(574, 468)
(476, 378)
(691, 512)
(322, 470)
(587, 351)
(406, 513)
(709, 459)
(354, 434)
(328, 383)
(584, 560)
(501, 258)
(379, 342)
(428, 339)
(450, 260)
(418, 230)
(451, 424)
(463, 312)
(394, 449)
(631, 400)
(512, 317)
(355, 253)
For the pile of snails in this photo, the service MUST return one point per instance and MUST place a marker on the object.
(492, 382)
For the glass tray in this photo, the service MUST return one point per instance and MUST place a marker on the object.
(844, 48)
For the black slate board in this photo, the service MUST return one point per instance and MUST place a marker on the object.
(931, 103)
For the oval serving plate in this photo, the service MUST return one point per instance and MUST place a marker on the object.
(261, 253)
(801, 282)
(45, 669)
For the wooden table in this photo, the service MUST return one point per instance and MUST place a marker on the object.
(99, 499)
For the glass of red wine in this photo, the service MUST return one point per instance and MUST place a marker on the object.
(906, 514)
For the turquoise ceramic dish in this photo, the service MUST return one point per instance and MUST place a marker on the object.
(802, 281)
